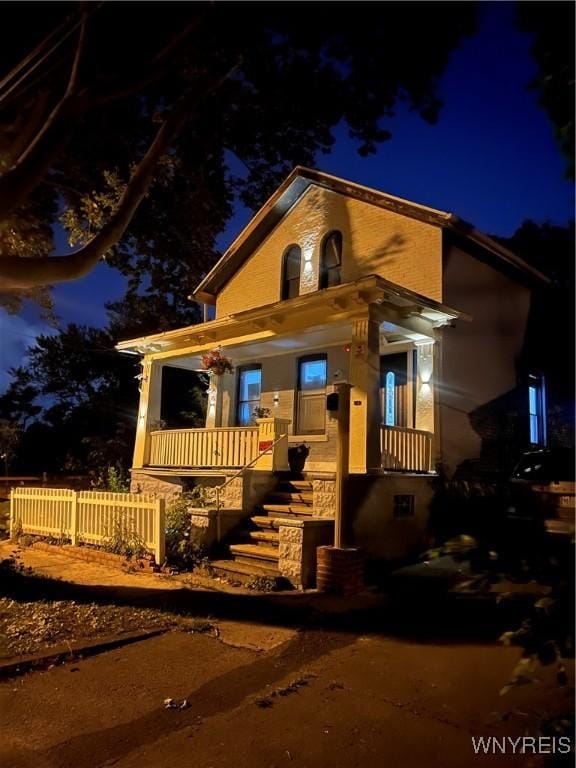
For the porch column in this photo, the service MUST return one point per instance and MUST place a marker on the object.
(425, 385)
(216, 389)
(148, 410)
(365, 394)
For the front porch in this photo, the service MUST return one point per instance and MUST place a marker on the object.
(381, 339)
(402, 449)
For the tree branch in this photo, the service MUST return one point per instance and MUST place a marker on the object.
(29, 170)
(34, 161)
(18, 273)
(98, 96)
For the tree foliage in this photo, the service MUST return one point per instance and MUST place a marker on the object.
(74, 402)
(551, 25)
(140, 143)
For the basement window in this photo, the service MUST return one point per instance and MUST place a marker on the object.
(403, 505)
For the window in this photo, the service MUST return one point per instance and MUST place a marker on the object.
(537, 409)
(249, 388)
(311, 401)
(403, 506)
(331, 260)
(291, 272)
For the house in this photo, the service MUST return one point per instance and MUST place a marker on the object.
(333, 282)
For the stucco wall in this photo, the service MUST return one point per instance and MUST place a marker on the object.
(478, 358)
(374, 528)
(375, 241)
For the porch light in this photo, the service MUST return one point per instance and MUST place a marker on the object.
(425, 376)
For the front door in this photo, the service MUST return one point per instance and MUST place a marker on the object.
(394, 389)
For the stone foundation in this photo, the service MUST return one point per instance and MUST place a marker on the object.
(376, 523)
(210, 526)
(168, 488)
(244, 492)
(298, 542)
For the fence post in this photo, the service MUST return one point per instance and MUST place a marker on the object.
(11, 512)
(74, 519)
(159, 532)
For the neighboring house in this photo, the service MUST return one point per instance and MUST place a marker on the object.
(423, 315)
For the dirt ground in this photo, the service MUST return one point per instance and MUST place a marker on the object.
(269, 693)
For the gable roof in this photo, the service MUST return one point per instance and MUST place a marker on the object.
(294, 187)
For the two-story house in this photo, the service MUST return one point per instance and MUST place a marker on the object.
(330, 282)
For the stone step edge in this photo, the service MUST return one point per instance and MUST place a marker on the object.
(254, 551)
(243, 569)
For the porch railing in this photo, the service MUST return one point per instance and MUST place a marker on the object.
(218, 447)
(405, 449)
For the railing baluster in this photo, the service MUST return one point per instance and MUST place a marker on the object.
(406, 449)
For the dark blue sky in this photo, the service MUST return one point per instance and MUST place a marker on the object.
(491, 159)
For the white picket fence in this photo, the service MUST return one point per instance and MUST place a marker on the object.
(89, 516)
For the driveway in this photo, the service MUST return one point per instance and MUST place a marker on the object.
(278, 687)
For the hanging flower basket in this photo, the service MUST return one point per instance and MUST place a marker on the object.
(216, 363)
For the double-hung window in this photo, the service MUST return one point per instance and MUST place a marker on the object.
(311, 395)
(249, 389)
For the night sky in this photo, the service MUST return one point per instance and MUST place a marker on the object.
(491, 159)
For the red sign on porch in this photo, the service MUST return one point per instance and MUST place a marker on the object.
(263, 445)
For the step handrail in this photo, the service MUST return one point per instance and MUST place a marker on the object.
(245, 467)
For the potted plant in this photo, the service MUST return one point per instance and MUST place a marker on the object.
(260, 413)
(297, 456)
(216, 363)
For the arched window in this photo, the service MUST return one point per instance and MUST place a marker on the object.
(291, 272)
(331, 260)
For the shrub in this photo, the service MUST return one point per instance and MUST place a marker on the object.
(182, 548)
(124, 539)
(112, 478)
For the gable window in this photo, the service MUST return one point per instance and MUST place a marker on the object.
(291, 272)
(331, 260)
(537, 409)
(249, 389)
(311, 396)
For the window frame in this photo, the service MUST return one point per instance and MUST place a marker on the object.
(325, 271)
(286, 281)
(245, 369)
(302, 394)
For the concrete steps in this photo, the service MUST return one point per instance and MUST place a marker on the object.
(291, 497)
(264, 522)
(288, 510)
(294, 486)
(248, 553)
(242, 571)
(263, 538)
(255, 551)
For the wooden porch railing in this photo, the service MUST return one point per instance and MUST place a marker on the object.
(218, 447)
(405, 449)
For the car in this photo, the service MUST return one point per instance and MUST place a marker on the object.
(542, 487)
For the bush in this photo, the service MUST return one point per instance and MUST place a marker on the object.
(114, 479)
(124, 539)
(182, 549)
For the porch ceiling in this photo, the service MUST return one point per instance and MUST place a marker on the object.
(307, 321)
